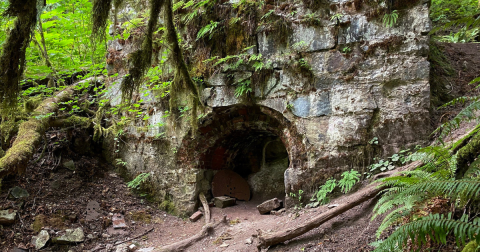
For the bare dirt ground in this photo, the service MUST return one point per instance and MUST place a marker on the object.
(59, 197)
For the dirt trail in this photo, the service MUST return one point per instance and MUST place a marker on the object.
(58, 199)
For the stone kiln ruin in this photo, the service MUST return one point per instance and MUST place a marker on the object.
(365, 81)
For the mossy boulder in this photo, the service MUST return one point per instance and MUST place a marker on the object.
(471, 247)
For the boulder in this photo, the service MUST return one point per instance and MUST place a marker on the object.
(224, 201)
(41, 239)
(70, 236)
(7, 217)
(269, 205)
(18, 192)
(69, 164)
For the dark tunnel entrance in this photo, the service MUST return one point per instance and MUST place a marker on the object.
(259, 157)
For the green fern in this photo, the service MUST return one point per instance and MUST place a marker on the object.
(138, 180)
(208, 29)
(243, 88)
(349, 179)
(321, 195)
(435, 226)
(390, 19)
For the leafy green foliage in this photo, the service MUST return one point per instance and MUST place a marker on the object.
(138, 180)
(66, 28)
(444, 11)
(396, 159)
(321, 195)
(389, 19)
(434, 226)
(243, 88)
(207, 30)
(336, 17)
(409, 191)
(349, 179)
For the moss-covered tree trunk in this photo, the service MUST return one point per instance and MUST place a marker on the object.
(12, 60)
(30, 134)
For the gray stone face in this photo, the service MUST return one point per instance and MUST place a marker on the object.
(361, 80)
(18, 193)
(41, 239)
(70, 236)
(7, 217)
(269, 205)
(314, 38)
(316, 104)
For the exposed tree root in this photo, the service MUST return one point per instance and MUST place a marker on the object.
(205, 207)
(72, 121)
(206, 230)
(367, 193)
(30, 134)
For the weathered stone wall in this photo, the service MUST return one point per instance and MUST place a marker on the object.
(360, 79)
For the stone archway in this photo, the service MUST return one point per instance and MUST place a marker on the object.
(256, 142)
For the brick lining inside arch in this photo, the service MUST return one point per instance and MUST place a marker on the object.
(225, 123)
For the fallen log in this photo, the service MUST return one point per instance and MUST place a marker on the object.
(207, 229)
(367, 193)
(30, 133)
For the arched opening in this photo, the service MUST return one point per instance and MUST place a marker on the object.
(260, 159)
(257, 143)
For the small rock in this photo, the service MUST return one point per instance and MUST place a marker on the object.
(72, 218)
(118, 221)
(19, 250)
(92, 208)
(7, 217)
(224, 245)
(280, 212)
(42, 239)
(105, 235)
(269, 205)
(132, 248)
(249, 241)
(70, 236)
(224, 201)
(18, 192)
(90, 236)
(146, 250)
(122, 248)
(333, 206)
(196, 216)
(69, 165)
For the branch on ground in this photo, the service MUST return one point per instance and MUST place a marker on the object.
(367, 193)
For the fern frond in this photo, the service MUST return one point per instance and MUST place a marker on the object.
(465, 115)
(395, 216)
(437, 227)
(464, 187)
(473, 169)
(465, 22)
(399, 203)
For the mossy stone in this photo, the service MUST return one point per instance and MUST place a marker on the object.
(471, 247)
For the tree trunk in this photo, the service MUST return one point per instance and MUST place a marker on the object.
(30, 134)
